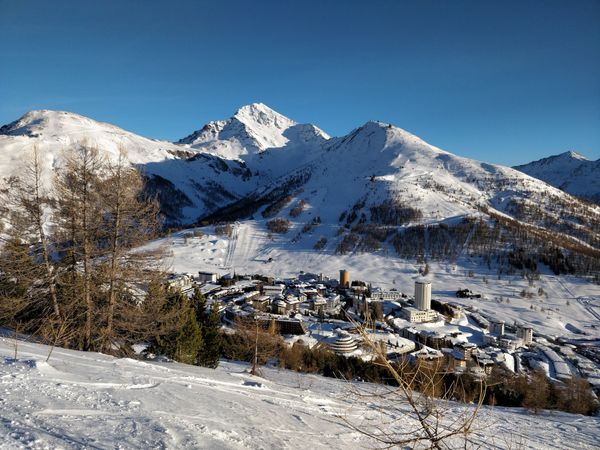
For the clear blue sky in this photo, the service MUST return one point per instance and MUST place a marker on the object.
(503, 81)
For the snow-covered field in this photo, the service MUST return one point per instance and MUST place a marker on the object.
(90, 400)
(556, 310)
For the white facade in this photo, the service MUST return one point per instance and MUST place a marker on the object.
(272, 291)
(497, 327)
(525, 333)
(207, 277)
(380, 294)
(343, 344)
(417, 316)
(423, 295)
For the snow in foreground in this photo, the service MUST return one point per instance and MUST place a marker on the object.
(90, 400)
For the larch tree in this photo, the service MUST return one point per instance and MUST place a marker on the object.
(129, 220)
(27, 253)
(72, 262)
(29, 207)
(79, 213)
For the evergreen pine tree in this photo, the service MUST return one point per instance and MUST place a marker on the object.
(173, 342)
(198, 302)
(211, 332)
(188, 341)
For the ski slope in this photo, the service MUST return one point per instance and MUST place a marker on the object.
(82, 400)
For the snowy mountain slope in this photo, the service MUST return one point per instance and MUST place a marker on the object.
(269, 143)
(251, 130)
(90, 400)
(259, 159)
(569, 171)
(190, 185)
(57, 129)
(382, 175)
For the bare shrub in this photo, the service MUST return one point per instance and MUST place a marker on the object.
(297, 210)
(347, 244)
(224, 229)
(414, 410)
(320, 244)
(276, 206)
(278, 225)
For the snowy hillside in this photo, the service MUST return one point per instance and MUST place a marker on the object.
(89, 400)
(569, 171)
(252, 130)
(261, 163)
(190, 187)
(380, 179)
(54, 130)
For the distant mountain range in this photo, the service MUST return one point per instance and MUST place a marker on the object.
(263, 165)
(570, 172)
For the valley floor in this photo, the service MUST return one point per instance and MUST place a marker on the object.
(555, 305)
(90, 400)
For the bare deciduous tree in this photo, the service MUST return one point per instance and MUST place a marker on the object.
(416, 411)
(78, 211)
(128, 221)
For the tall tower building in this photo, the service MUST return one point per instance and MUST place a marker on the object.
(497, 327)
(344, 278)
(423, 295)
(525, 332)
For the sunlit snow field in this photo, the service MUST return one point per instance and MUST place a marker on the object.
(89, 400)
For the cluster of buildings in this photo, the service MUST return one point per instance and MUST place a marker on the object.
(325, 311)
(523, 335)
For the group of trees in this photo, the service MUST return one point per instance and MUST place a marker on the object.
(196, 338)
(68, 269)
(536, 392)
(393, 212)
(258, 343)
(278, 225)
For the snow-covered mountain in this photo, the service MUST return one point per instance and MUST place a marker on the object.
(253, 130)
(55, 130)
(189, 184)
(385, 178)
(260, 164)
(569, 171)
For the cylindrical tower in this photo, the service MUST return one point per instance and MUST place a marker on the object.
(344, 278)
(423, 295)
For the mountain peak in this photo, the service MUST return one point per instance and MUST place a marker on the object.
(255, 108)
(41, 122)
(570, 171)
(253, 129)
(574, 155)
(260, 115)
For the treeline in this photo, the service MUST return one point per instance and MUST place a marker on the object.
(537, 392)
(507, 241)
(564, 236)
(274, 200)
(68, 272)
(392, 212)
(503, 388)
(573, 218)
